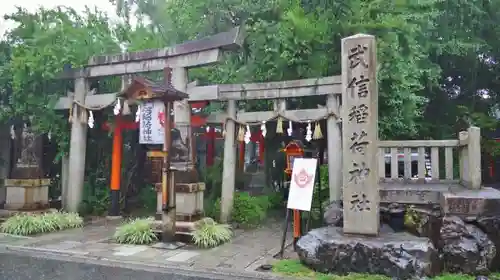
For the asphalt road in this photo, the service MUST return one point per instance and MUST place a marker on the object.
(27, 266)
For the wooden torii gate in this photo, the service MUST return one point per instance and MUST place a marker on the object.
(198, 53)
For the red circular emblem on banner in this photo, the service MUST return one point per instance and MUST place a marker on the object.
(161, 118)
(302, 179)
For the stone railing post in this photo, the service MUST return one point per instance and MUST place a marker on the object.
(470, 157)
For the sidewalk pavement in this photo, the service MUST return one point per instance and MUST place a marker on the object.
(248, 250)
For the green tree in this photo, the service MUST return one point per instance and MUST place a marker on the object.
(39, 48)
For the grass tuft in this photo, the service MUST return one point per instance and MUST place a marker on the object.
(138, 232)
(209, 234)
(296, 269)
(30, 224)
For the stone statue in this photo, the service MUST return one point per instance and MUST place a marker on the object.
(180, 151)
(27, 157)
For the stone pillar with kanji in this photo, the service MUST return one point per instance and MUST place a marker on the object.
(360, 135)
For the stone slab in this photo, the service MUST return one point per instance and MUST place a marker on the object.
(65, 245)
(26, 183)
(415, 193)
(397, 255)
(12, 239)
(168, 245)
(467, 202)
(182, 256)
(126, 251)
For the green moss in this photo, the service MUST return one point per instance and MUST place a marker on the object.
(295, 269)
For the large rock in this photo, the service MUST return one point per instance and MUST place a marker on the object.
(491, 226)
(398, 255)
(465, 248)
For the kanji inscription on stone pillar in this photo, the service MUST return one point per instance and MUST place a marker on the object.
(360, 135)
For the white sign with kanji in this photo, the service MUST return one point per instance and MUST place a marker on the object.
(302, 184)
(151, 120)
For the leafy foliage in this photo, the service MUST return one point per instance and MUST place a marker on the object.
(321, 196)
(137, 231)
(147, 197)
(95, 199)
(248, 211)
(209, 234)
(42, 44)
(29, 224)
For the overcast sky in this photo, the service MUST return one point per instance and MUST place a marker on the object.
(9, 7)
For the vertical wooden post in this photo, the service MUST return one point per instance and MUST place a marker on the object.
(210, 136)
(241, 156)
(116, 167)
(334, 145)
(262, 148)
(360, 135)
(228, 173)
(78, 147)
(168, 183)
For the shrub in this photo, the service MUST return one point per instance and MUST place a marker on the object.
(137, 231)
(147, 198)
(29, 224)
(248, 211)
(95, 200)
(209, 234)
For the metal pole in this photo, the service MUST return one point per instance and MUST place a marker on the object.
(168, 188)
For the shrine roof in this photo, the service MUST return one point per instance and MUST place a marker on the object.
(143, 88)
(294, 143)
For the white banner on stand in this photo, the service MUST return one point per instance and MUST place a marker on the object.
(302, 184)
(151, 119)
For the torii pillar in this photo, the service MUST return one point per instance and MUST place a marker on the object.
(77, 150)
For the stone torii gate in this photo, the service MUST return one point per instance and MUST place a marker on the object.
(197, 53)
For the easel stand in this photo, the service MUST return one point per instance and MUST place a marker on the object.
(298, 228)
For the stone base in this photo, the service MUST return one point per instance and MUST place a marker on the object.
(188, 198)
(180, 227)
(471, 203)
(26, 194)
(398, 255)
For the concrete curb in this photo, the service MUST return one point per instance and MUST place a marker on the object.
(173, 269)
